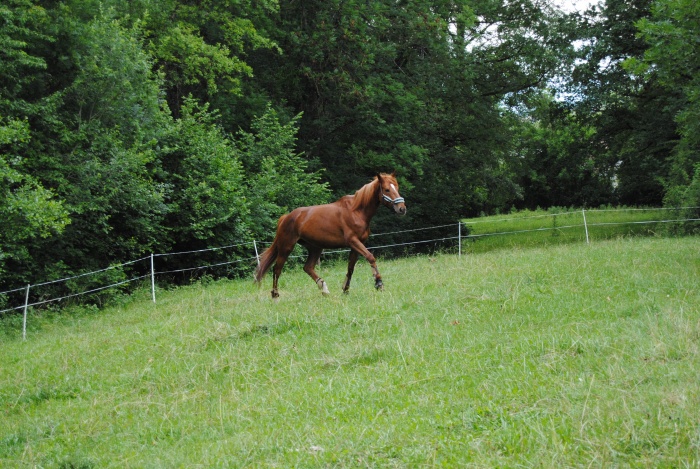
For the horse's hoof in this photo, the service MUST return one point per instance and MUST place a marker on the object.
(323, 287)
(379, 285)
(275, 294)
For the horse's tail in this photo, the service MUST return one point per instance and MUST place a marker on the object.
(268, 257)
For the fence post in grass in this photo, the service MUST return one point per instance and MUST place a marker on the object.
(153, 280)
(24, 320)
(257, 257)
(459, 238)
(585, 225)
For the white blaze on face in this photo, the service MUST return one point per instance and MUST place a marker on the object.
(394, 187)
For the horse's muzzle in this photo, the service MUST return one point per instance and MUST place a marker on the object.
(398, 204)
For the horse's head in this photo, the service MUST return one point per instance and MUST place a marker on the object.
(389, 193)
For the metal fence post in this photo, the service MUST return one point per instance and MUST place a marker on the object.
(459, 237)
(24, 320)
(153, 280)
(585, 225)
(257, 257)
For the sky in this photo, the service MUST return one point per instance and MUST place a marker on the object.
(572, 5)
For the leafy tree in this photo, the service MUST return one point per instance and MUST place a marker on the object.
(112, 175)
(200, 46)
(94, 112)
(204, 177)
(673, 59)
(632, 114)
(183, 125)
(20, 26)
(114, 86)
(278, 179)
(556, 167)
(414, 87)
(28, 210)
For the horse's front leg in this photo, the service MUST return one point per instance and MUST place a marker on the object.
(352, 260)
(357, 245)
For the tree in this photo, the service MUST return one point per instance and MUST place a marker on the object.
(28, 210)
(632, 114)
(20, 27)
(200, 46)
(673, 59)
(413, 87)
(278, 180)
(204, 179)
(93, 112)
(112, 172)
(556, 167)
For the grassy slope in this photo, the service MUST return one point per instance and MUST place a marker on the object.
(564, 356)
(559, 226)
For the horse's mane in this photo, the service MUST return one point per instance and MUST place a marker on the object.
(367, 193)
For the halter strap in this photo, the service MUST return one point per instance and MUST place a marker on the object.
(395, 201)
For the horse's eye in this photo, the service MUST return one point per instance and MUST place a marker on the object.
(386, 190)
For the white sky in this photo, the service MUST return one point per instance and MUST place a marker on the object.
(572, 5)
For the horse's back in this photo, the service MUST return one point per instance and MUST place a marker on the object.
(320, 225)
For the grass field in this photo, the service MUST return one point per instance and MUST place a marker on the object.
(561, 226)
(566, 356)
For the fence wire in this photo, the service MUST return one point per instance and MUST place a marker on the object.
(459, 237)
(73, 295)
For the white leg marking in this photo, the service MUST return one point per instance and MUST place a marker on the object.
(322, 286)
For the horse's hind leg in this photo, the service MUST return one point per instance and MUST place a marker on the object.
(352, 260)
(282, 256)
(276, 272)
(311, 261)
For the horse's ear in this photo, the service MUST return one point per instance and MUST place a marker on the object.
(379, 176)
(393, 174)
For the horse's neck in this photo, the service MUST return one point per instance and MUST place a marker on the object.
(364, 205)
(367, 211)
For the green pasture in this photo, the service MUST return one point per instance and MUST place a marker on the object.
(564, 356)
(563, 225)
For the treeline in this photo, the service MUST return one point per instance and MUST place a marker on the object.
(157, 126)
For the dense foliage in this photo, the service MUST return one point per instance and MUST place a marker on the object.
(152, 126)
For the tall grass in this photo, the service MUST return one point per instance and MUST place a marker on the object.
(567, 356)
(562, 226)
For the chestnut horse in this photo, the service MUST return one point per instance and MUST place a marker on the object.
(343, 223)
